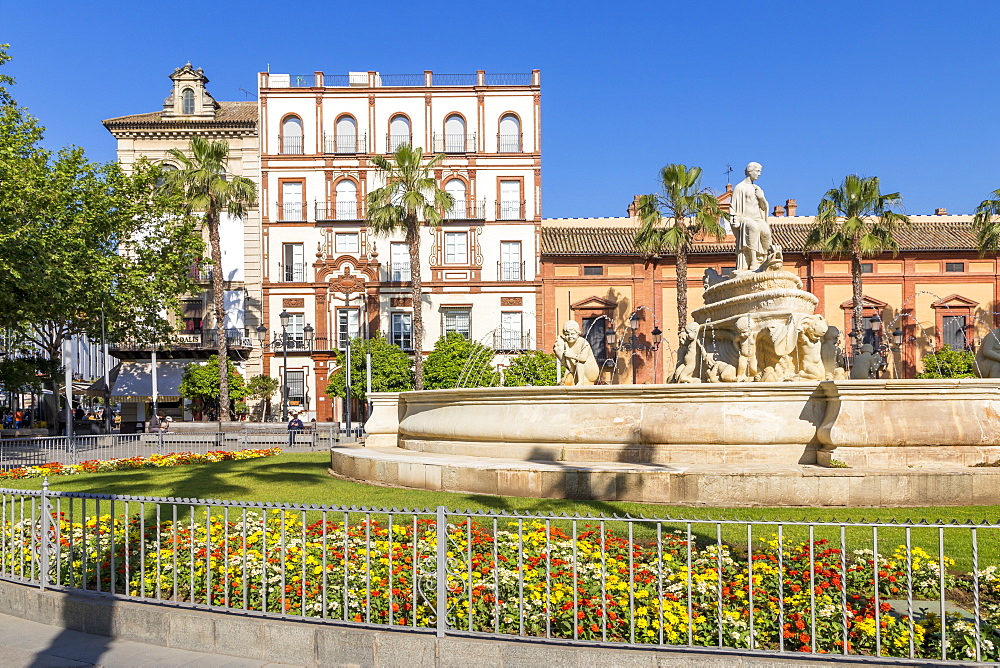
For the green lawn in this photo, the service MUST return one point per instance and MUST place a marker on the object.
(303, 479)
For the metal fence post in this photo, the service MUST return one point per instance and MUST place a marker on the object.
(43, 548)
(441, 607)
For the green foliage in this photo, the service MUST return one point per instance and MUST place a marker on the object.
(22, 374)
(986, 224)
(858, 221)
(80, 239)
(444, 366)
(533, 367)
(201, 382)
(262, 388)
(410, 196)
(391, 370)
(948, 363)
(670, 221)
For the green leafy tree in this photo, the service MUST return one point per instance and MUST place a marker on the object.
(262, 388)
(670, 220)
(200, 383)
(986, 224)
(21, 375)
(949, 363)
(858, 221)
(391, 370)
(457, 359)
(202, 179)
(532, 367)
(410, 197)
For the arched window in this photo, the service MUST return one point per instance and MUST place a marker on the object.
(291, 135)
(347, 200)
(509, 139)
(454, 134)
(347, 135)
(456, 188)
(164, 168)
(399, 132)
(187, 101)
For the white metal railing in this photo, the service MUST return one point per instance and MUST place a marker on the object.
(923, 592)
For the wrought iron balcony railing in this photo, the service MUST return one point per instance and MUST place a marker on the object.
(510, 271)
(291, 212)
(509, 143)
(200, 273)
(455, 143)
(392, 142)
(290, 145)
(399, 272)
(295, 272)
(345, 144)
(190, 339)
(508, 210)
(340, 210)
(466, 210)
(511, 339)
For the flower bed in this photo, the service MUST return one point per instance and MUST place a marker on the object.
(131, 463)
(529, 579)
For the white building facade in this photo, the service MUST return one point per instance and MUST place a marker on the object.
(337, 280)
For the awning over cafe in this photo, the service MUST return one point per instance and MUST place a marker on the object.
(134, 383)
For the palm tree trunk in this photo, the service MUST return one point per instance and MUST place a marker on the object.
(417, 324)
(682, 288)
(856, 287)
(219, 307)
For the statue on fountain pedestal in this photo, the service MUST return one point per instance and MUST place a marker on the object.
(575, 353)
(748, 211)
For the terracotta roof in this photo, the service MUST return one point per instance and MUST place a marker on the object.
(230, 113)
(790, 236)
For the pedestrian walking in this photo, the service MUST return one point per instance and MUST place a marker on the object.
(294, 426)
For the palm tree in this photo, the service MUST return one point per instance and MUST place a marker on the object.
(857, 220)
(202, 179)
(986, 223)
(689, 210)
(409, 197)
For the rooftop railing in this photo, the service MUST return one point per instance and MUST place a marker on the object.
(379, 80)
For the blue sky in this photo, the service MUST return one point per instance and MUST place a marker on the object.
(900, 90)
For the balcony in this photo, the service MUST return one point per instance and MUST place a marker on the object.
(200, 273)
(399, 272)
(510, 271)
(510, 143)
(197, 339)
(511, 340)
(466, 210)
(295, 272)
(299, 343)
(345, 144)
(455, 143)
(508, 210)
(291, 212)
(290, 145)
(392, 142)
(340, 211)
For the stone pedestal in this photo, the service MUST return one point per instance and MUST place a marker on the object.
(382, 426)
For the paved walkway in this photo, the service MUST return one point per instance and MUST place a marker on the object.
(33, 645)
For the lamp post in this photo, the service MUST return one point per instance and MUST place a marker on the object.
(632, 345)
(284, 316)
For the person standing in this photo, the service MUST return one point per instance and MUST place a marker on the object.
(294, 426)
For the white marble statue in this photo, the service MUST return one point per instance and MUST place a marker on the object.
(866, 363)
(748, 212)
(988, 356)
(686, 370)
(812, 329)
(574, 352)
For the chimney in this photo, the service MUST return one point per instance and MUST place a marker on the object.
(791, 206)
(941, 212)
(633, 208)
(778, 212)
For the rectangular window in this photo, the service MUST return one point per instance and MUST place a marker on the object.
(954, 266)
(294, 331)
(867, 268)
(594, 331)
(954, 332)
(456, 248)
(293, 261)
(399, 258)
(727, 272)
(456, 320)
(510, 331)
(511, 267)
(402, 334)
(296, 387)
(510, 201)
(593, 271)
(192, 313)
(346, 242)
(348, 326)
(291, 200)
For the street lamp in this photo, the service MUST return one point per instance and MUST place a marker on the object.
(284, 316)
(633, 324)
(632, 345)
